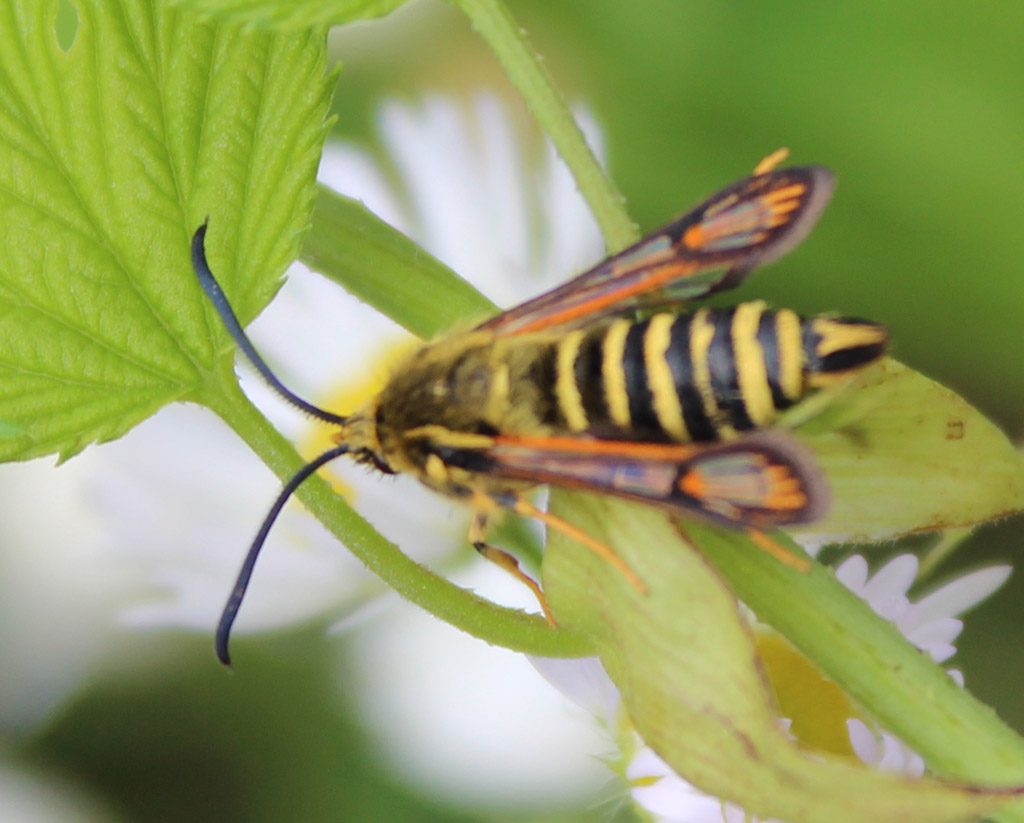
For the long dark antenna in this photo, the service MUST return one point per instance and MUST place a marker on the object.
(213, 290)
(227, 617)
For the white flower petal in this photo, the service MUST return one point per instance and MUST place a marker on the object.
(863, 741)
(962, 594)
(504, 181)
(571, 240)
(585, 682)
(936, 637)
(468, 721)
(188, 525)
(886, 590)
(348, 169)
(316, 337)
(883, 751)
(940, 652)
(61, 589)
(661, 792)
(434, 156)
(853, 573)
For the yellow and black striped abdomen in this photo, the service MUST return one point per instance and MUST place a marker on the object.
(701, 376)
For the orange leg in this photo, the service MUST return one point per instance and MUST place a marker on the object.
(778, 551)
(477, 530)
(527, 509)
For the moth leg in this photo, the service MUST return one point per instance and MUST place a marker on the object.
(522, 506)
(778, 551)
(771, 161)
(477, 531)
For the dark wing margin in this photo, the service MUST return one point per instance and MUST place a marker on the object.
(764, 481)
(710, 248)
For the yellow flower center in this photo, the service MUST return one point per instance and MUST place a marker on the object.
(818, 708)
(347, 396)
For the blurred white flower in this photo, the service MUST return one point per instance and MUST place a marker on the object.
(60, 593)
(37, 798)
(931, 623)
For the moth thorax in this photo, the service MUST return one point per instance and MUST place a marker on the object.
(444, 385)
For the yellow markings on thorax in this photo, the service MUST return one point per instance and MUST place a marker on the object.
(789, 337)
(613, 372)
(570, 401)
(751, 372)
(702, 332)
(449, 437)
(659, 377)
(498, 391)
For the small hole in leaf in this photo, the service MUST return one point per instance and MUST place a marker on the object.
(65, 24)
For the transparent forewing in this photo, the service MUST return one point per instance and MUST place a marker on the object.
(708, 249)
(763, 481)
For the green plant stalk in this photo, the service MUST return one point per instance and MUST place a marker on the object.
(958, 736)
(350, 245)
(523, 66)
(948, 543)
(510, 628)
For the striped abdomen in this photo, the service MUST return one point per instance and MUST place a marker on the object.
(701, 376)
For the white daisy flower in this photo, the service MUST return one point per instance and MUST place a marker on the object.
(931, 623)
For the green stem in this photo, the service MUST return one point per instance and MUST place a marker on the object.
(958, 736)
(510, 628)
(350, 245)
(948, 543)
(524, 68)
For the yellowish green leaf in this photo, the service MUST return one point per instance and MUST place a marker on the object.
(904, 454)
(686, 665)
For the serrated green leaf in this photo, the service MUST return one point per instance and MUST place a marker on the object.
(904, 454)
(111, 154)
(687, 668)
(294, 14)
(381, 266)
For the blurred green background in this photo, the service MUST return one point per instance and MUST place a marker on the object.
(918, 109)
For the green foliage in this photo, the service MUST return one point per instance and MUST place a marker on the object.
(685, 663)
(294, 14)
(114, 151)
